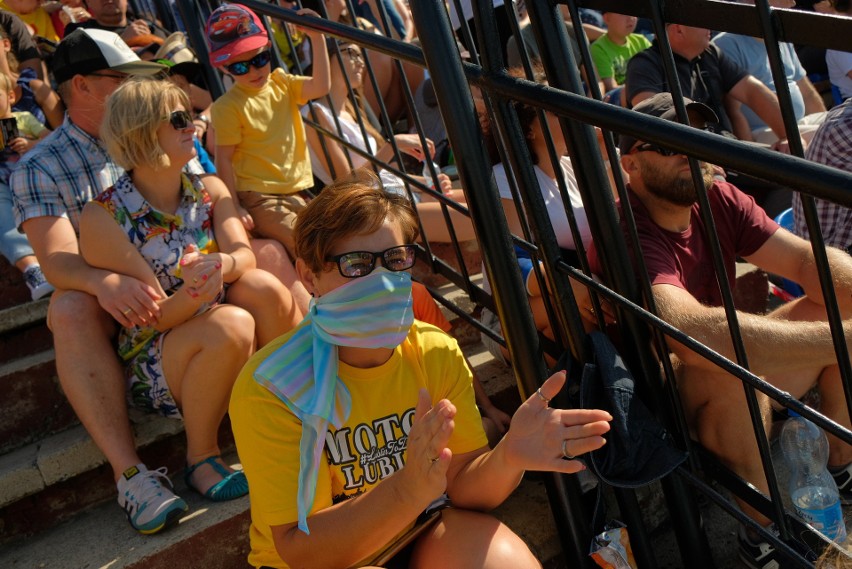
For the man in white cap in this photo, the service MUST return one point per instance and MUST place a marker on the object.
(51, 186)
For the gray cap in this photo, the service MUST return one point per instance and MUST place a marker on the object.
(661, 105)
(86, 51)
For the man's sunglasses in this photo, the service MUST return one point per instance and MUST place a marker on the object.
(242, 67)
(648, 147)
(361, 263)
(180, 120)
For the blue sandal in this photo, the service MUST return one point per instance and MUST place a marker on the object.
(233, 484)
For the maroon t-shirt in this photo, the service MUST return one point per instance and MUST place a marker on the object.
(683, 259)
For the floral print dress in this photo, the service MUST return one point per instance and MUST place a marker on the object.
(161, 238)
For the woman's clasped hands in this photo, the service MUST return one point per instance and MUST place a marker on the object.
(202, 274)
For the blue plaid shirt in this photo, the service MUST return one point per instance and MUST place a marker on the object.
(63, 173)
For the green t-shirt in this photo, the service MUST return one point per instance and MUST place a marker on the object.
(611, 59)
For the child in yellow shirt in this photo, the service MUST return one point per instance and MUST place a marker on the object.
(261, 149)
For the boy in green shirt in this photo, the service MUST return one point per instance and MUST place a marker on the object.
(613, 50)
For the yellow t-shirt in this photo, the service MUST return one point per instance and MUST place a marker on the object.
(369, 447)
(38, 20)
(265, 125)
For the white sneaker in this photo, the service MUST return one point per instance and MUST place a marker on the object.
(38, 285)
(149, 505)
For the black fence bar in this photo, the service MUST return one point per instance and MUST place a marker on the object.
(455, 102)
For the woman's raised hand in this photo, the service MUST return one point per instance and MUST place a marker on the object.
(543, 438)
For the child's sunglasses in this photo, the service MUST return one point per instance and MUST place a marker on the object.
(180, 120)
(242, 67)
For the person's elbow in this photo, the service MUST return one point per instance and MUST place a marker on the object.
(686, 355)
(317, 87)
(292, 547)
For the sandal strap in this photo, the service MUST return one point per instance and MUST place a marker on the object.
(211, 460)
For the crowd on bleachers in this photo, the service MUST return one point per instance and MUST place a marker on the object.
(184, 239)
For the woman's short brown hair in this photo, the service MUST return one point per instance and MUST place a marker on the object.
(353, 205)
(133, 114)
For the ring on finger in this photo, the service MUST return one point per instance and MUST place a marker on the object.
(127, 311)
(432, 460)
(565, 453)
(541, 396)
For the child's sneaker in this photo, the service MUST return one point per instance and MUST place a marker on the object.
(149, 505)
(38, 285)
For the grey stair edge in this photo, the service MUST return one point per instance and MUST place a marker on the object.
(21, 364)
(30, 469)
(101, 536)
(23, 315)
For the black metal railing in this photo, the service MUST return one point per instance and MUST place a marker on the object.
(579, 106)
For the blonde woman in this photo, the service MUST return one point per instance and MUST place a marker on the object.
(180, 238)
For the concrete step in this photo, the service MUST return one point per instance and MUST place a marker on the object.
(215, 535)
(34, 406)
(211, 535)
(58, 477)
(23, 331)
(12, 284)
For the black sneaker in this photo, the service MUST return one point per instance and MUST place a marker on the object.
(843, 479)
(761, 555)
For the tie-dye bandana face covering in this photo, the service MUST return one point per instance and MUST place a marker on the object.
(374, 311)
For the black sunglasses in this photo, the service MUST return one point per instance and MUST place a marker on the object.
(242, 67)
(648, 147)
(361, 263)
(180, 120)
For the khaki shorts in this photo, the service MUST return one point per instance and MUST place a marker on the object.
(274, 215)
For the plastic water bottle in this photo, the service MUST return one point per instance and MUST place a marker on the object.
(812, 489)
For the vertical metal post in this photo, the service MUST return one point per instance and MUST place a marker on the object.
(456, 104)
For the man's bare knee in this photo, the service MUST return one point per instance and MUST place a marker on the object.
(75, 312)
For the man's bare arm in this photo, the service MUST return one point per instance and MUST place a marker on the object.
(773, 345)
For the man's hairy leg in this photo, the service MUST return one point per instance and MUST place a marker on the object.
(716, 409)
(832, 402)
(91, 375)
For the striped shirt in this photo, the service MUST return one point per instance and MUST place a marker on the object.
(64, 173)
